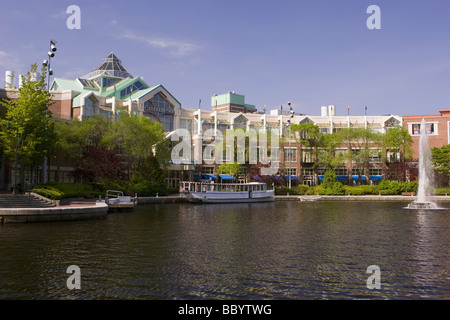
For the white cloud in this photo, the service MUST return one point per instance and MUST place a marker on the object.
(10, 61)
(176, 48)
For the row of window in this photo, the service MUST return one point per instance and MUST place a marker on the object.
(431, 128)
(309, 172)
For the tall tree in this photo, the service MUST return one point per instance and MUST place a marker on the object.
(397, 143)
(143, 142)
(308, 136)
(27, 130)
(363, 145)
(441, 159)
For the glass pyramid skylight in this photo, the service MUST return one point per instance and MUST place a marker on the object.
(111, 66)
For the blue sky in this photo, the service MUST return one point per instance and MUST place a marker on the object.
(311, 53)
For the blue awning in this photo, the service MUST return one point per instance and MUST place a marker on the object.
(196, 176)
(357, 178)
(225, 177)
(341, 178)
(207, 176)
(321, 178)
(292, 178)
(376, 178)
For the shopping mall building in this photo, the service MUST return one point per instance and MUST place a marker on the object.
(110, 89)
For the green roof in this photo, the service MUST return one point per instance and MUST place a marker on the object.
(140, 93)
(64, 84)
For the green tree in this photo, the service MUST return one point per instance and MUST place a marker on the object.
(308, 136)
(329, 157)
(27, 130)
(363, 145)
(73, 137)
(397, 141)
(232, 169)
(441, 159)
(142, 142)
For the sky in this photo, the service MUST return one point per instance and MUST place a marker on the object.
(311, 53)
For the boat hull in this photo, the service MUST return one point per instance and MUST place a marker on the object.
(232, 197)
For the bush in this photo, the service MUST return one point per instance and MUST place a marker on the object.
(443, 191)
(301, 189)
(329, 179)
(395, 188)
(317, 190)
(283, 190)
(49, 193)
(75, 190)
(336, 189)
(410, 186)
(354, 191)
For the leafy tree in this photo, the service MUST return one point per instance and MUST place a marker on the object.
(74, 136)
(308, 136)
(27, 130)
(329, 179)
(397, 140)
(328, 156)
(142, 142)
(363, 145)
(99, 164)
(441, 159)
(232, 169)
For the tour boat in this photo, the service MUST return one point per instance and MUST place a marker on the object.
(211, 192)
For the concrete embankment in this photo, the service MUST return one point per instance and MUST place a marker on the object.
(164, 199)
(178, 199)
(358, 198)
(82, 210)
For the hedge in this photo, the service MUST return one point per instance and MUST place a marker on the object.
(337, 188)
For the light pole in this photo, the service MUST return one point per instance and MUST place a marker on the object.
(46, 64)
(291, 115)
(15, 157)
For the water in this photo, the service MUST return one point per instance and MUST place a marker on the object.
(280, 250)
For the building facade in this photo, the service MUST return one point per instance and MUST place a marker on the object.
(438, 129)
(110, 89)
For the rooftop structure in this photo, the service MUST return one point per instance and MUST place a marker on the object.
(231, 102)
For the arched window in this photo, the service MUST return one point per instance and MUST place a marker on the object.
(159, 109)
(89, 107)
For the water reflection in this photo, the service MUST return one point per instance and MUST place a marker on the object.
(280, 250)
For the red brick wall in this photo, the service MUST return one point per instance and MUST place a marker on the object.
(435, 140)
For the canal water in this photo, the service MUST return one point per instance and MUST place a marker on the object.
(279, 250)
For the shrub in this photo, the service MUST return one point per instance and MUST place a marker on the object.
(336, 189)
(49, 193)
(317, 190)
(329, 179)
(410, 186)
(301, 189)
(353, 191)
(443, 191)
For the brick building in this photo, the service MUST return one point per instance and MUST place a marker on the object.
(438, 129)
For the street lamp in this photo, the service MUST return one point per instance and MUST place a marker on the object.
(291, 115)
(15, 157)
(49, 71)
(46, 63)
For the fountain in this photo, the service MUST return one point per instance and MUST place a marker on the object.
(425, 173)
